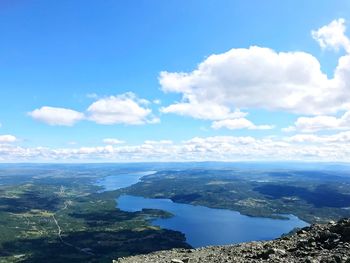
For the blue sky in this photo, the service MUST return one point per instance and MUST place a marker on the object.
(75, 73)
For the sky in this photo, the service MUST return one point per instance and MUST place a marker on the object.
(184, 80)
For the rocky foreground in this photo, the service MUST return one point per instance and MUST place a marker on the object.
(318, 243)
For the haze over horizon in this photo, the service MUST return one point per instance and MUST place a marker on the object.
(126, 81)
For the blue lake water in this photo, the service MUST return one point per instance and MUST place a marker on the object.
(201, 225)
(205, 226)
(114, 182)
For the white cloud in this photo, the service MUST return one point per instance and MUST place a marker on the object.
(158, 142)
(322, 122)
(112, 141)
(252, 78)
(342, 137)
(7, 138)
(261, 78)
(307, 147)
(122, 109)
(303, 138)
(153, 120)
(240, 123)
(205, 111)
(288, 129)
(56, 116)
(333, 35)
(125, 108)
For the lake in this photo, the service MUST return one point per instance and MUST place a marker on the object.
(201, 225)
(205, 226)
(114, 182)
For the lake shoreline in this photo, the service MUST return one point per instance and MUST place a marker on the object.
(192, 225)
(204, 226)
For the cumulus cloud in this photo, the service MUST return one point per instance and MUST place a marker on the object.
(322, 122)
(333, 35)
(221, 148)
(261, 78)
(56, 116)
(240, 123)
(256, 77)
(342, 137)
(7, 138)
(204, 111)
(122, 109)
(112, 141)
(125, 108)
(158, 142)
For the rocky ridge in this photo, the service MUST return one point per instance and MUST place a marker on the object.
(327, 243)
